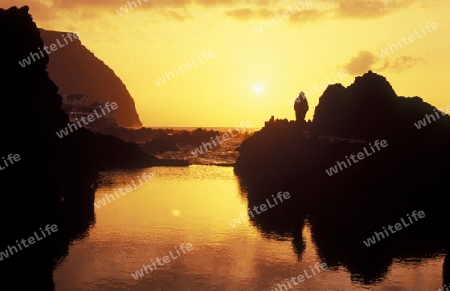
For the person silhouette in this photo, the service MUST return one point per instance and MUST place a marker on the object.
(301, 107)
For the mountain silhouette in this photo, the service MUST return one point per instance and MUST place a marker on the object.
(75, 69)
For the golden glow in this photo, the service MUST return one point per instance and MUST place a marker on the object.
(139, 227)
(258, 88)
(289, 56)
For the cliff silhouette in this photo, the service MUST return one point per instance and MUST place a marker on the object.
(55, 179)
(75, 69)
(343, 209)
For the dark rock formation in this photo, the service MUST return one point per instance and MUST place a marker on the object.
(368, 109)
(49, 169)
(54, 180)
(75, 69)
(344, 209)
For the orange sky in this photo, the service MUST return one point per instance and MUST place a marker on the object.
(306, 44)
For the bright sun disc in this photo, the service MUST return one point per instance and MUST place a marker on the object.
(258, 88)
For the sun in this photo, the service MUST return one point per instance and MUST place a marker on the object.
(258, 88)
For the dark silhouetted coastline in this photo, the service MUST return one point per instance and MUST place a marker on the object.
(346, 208)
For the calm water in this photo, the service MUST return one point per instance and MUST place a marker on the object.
(195, 205)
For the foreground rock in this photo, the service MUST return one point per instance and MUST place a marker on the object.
(346, 206)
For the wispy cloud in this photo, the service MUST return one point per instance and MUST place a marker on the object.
(237, 9)
(402, 63)
(365, 61)
(308, 15)
(364, 9)
(250, 13)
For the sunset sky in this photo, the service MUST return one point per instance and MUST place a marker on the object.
(301, 49)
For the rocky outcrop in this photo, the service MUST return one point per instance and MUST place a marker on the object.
(368, 109)
(75, 69)
(346, 206)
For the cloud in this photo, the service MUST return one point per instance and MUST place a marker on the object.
(248, 13)
(241, 14)
(365, 61)
(401, 64)
(364, 9)
(294, 15)
(362, 63)
(308, 15)
(325, 9)
(114, 4)
(175, 15)
(53, 10)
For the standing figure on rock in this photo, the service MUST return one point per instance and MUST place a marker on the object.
(301, 107)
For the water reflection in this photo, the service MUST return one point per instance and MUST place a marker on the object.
(338, 228)
(255, 255)
(33, 265)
